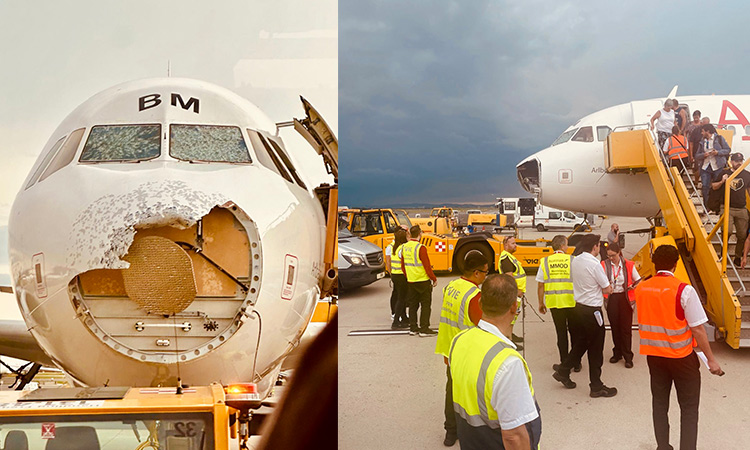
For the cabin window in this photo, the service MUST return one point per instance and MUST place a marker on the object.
(122, 143)
(65, 155)
(602, 132)
(565, 137)
(208, 143)
(287, 162)
(747, 130)
(585, 134)
(390, 222)
(45, 161)
(403, 219)
(366, 224)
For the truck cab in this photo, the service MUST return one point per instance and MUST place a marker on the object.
(119, 418)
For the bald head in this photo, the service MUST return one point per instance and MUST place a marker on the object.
(499, 293)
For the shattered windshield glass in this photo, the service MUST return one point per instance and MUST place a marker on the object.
(107, 143)
(208, 143)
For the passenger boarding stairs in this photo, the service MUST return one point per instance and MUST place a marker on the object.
(724, 289)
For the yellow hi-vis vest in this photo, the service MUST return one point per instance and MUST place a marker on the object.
(558, 280)
(395, 268)
(454, 315)
(519, 274)
(414, 270)
(475, 357)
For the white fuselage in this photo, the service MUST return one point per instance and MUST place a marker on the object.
(571, 175)
(84, 217)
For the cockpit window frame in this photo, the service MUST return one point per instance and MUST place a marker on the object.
(582, 130)
(120, 161)
(565, 137)
(66, 155)
(602, 128)
(287, 161)
(45, 161)
(210, 161)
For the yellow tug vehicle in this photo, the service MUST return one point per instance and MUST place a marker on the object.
(206, 417)
(446, 250)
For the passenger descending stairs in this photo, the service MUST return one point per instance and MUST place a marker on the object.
(722, 291)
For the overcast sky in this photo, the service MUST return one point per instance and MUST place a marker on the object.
(55, 55)
(440, 100)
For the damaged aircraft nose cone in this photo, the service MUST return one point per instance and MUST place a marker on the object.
(160, 278)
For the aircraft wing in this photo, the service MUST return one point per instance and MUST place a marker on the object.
(17, 342)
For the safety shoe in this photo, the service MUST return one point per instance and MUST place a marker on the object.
(413, 333)
(615, 359)
(577, 368)
(566, 381)
(450, 439)
(399, 326)
(427, 332)
(628, 364)
(604, 392)
(556, 367)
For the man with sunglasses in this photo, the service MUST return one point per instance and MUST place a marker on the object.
(460, 311)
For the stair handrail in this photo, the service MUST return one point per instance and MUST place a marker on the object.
(723, 221)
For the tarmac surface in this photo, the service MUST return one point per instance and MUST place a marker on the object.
(392, 387)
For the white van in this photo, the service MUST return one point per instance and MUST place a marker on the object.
(547, 218)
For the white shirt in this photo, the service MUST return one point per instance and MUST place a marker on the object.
(618, 282)
(665, 121)
(589, 279)
(691, 304)
(511, 396)
(389, 249)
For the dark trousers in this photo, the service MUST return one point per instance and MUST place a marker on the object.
(562, 317)
(588, 338)
(398, 297)
(420, 294)
(450, 414)
(685, 373)
(621, 319)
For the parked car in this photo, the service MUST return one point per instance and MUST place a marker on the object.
(360, 262)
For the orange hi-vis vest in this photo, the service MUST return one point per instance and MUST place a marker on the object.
(661, 319)
(677, 147)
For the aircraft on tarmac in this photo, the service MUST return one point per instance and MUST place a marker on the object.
(570, 173)
(166, 232)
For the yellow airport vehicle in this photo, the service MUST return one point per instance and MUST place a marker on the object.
(684, 221)
(446, 250)
(206, 418)
(446, 219)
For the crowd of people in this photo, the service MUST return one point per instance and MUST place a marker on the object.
(697, 144)
(489, 396)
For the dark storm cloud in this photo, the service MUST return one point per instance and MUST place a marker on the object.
(440, 100)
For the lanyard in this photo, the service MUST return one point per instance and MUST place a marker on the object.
(615, 275)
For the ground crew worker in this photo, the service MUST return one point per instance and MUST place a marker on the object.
(493, 396)
(670, 320)
(400, 286)
(419, 276)
(509, 265)
(623, 276)
(589, 283)
(460, 311)
(555, 291)
(676, 149)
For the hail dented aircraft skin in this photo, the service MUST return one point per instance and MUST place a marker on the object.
(571, 175)
(80, 221)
